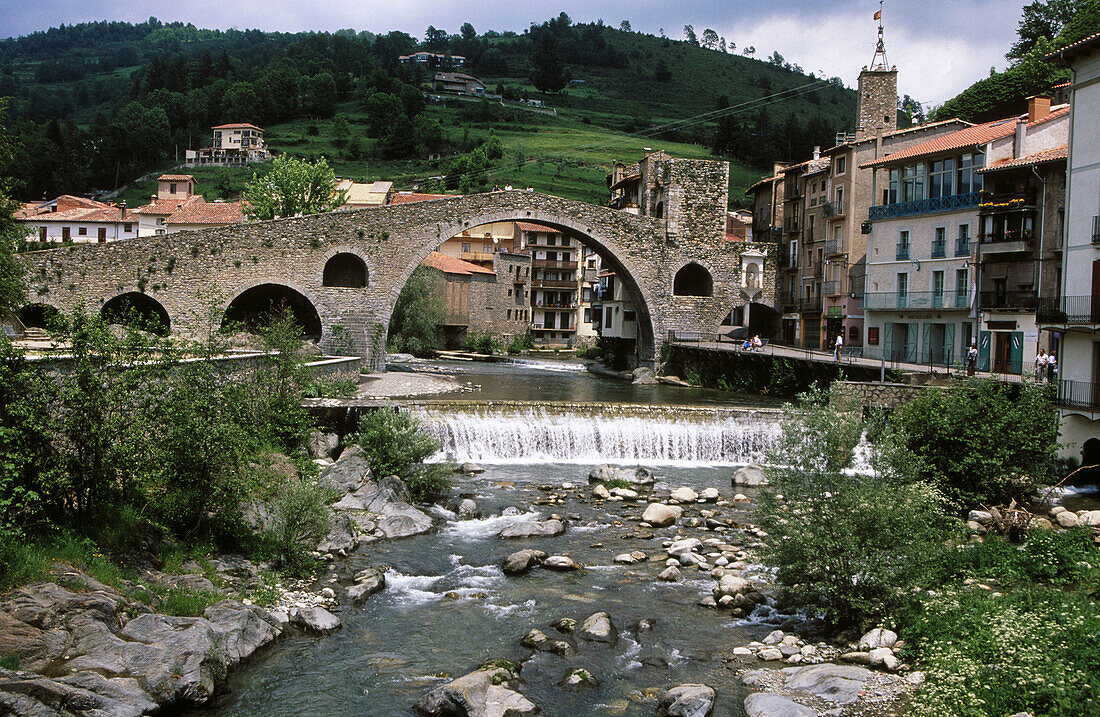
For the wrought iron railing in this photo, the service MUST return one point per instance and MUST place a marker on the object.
(962, 247)
(1096, 230)
(834, 246)
(902, 252)
(833, 209)
(1022, 300)
(939, 249)
(551, 264)
(923, 206)
(892, 300)
(1067, 310)
(810, 303)
(1078, 394)
(830, 288)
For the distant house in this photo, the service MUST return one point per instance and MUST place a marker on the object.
(176, 208)
(77, 219)
(360, 195)
(232, 145)
(459, 82)
(413, 197)
(432, 58)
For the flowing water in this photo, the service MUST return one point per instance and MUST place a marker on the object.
(448, 607)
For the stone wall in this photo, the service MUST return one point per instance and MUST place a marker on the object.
(196, 275)
(854, 395)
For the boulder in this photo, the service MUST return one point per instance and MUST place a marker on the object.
(685, 545)
(710, 495)
(644, 376)
(983, 517)
(85, 693)
(341, 536)
(561, 563)
(316, 619)
(488, 692)
(565, 625)
(770, 654)
(35, 647)
(598, 627)
(601, 492)
(660, 515)
(686, 701)
(348, 473)
(1090, 518)
(577, 679)
(470, 469)
(671, 574)
(878, 638)
(732, 585)
(322, 445)
(367, 583)
(521, 561)
(624, 493)
(878, 656)
(837, 683)
(1067, 519)
(636, 476)
(749, 475)
(683, 494)
(388, 498)
(625, 559)
(764, 704)
(467, 508)
(407, 522)
(533, 529)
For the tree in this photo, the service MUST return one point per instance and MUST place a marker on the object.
(749, 51)
(624, 26)
(435, 39)
(1044, 19)
(661, 73)
(733, 46)
(13, 285)
(776, 59)
(710, 40)
(548, 73)
(418, 313)
(467, 31)
(292, 187)
(319, 97)
(689, 35)
(383, 112)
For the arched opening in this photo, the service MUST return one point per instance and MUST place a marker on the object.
(138, 311)
(659, 211)
(764, 321)
(693, 280)
(40, 316)
(752, 276)
(255, 307)
(345, 270)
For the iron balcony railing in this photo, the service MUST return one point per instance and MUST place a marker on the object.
(541, 327)
(894, 300)
(1078, 394)
(834, 246)
(903, 252)
(552, 284)
(1021, 300)
(939, 249)
(1096, 230)
(1010, 235)
(831, 288)
(833, 209)
(1007, 201)
(1067, 310)
(810, 304)
(551, 264)
(788, 300)
(962, 247)
(923, 206)
(790, 224)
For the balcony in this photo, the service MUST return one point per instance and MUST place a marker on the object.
(834, 247)
(831, 288)
(962, 248)
(995, 203)
(553, 284)
(476, 256)
(540, 327)
(902, 252)
(790, 224)
(548, 264)
(1009, 301)
(555, 305)
(939, 249)
(923, 206)
(533, 241)
(1006, 242)
(1069, 310)
(1096, 230)
(1078, 394)
(894, 300)
(788, 301)
(833, 209)
(810, 305)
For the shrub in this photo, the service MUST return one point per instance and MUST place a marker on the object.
(480, 342)
(418, 313)
(426, 483)
(984, 442)
(845, 541)
(393, 442)
(1065, 557)
(301, 519)
(616, 483)
(521, 342)
(589, 352)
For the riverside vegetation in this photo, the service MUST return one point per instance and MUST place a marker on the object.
(872, 534)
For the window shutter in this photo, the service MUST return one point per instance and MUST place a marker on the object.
(984, 340)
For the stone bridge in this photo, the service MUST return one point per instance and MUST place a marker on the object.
(343, 271)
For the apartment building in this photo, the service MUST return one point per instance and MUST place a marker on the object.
(922, 255)
(232, 145)
(1074, 317)
(555, 282)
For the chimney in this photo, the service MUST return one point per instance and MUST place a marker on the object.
(122, 209)
(817, 151)
(1018, 148)
(1038, 107)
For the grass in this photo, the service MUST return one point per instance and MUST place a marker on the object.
(188, 603)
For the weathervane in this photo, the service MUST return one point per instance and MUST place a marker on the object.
(879, 61)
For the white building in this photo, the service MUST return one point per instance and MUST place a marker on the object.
(176, 208)
(77, 219)
(232, 145)
(1076, 315)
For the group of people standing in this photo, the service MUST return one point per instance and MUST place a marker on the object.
(1046, 366)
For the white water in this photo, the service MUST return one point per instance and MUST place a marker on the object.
(537, 435)
(558, 366)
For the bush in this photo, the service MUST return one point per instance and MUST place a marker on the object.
(418, 314)
(985, 442)
(1057, 557)
(521, 342)
(427, 483)
(393, 442)
(301, 518)
(481, 342)
(845, 541)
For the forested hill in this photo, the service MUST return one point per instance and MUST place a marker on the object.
(96, 105)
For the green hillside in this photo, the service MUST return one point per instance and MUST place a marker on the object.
(77, 106)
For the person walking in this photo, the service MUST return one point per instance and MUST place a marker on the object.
(1041, 364)
(1052, 368)
(971, 359)
(837, 346)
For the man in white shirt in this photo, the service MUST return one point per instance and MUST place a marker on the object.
(1041, 364)
(837, 346)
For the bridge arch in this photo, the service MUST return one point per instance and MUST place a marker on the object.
(693, 279)
(345, 269)
(253, 306)
(39, 315)
(138, 310)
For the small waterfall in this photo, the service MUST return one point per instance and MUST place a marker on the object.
(588, 434)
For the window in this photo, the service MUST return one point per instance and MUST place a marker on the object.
(962, 287)
(903, 245)
(509, 292)
(128, 227)
(588, 316)
(903, 290)
(962, 241)
(82, 231)
(939, 243)
(940, 180)
(628, 316)
(969, 181)
(551, 240)
(465, 248)
(912, 183)
(937, 289)
(172, 188)
(890, 196)
(841, 165)
(839, 198)
(160, 232)
(487, 248)
(509, 310)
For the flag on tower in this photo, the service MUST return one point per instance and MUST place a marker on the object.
(878, 15)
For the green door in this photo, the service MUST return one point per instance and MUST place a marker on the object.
(1016, 353)
(985, 340)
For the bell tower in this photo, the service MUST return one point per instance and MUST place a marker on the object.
(877, 108)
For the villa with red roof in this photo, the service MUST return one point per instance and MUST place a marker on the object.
(77, 219)
(176, 208)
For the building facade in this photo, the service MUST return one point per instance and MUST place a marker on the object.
(176, 208)
(68, 219)
(232, 145)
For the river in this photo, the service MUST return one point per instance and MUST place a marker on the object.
(448, 607)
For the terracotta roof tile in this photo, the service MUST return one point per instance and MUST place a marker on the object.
(451, 265)
(196, 210)
(237, 125)
(1081, 45)
(532, 227)
(411, 197)
(160, 207)
(175, 178)
(1049, 155)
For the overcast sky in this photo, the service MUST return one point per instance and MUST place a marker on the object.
(939, 46)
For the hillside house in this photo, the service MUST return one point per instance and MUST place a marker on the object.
(176, 207)
(232, 145)
(77, 219)
(458, 82)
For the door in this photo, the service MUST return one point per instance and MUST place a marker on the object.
(41, 233)
(102, 235)
(1016, 352)
(984, 346)
(66, 236)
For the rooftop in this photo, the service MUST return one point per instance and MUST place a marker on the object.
(411, 197)
(196, 210)
(1080, 47)
(237, 125)
(532, 227)
(1058, 154)
(451, 265)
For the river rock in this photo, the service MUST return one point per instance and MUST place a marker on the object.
(1067, 519)
(367, 583)
(670, 574)
(316, 619)
(533, 529)
(578, 679)
(521, 561)
(683, 494)
(624, 493)
(636, 476)
(686, 701)
(488, 692)
(561, 563)
(983, 517)
(341, 536)
(625, 559)
(710, 495)
(660, 515)
(84, 693)
(749, 475)
(348, 473)
(1090, 518)
(878, 638)
(322, 445)
(470, 469)
(601, 492)
(467, 508)
(837, 683)
(389, 499)
(598, 627)
(764, 704)
(732, 585)
(565, 625)
(686, 545)
(644, 376)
